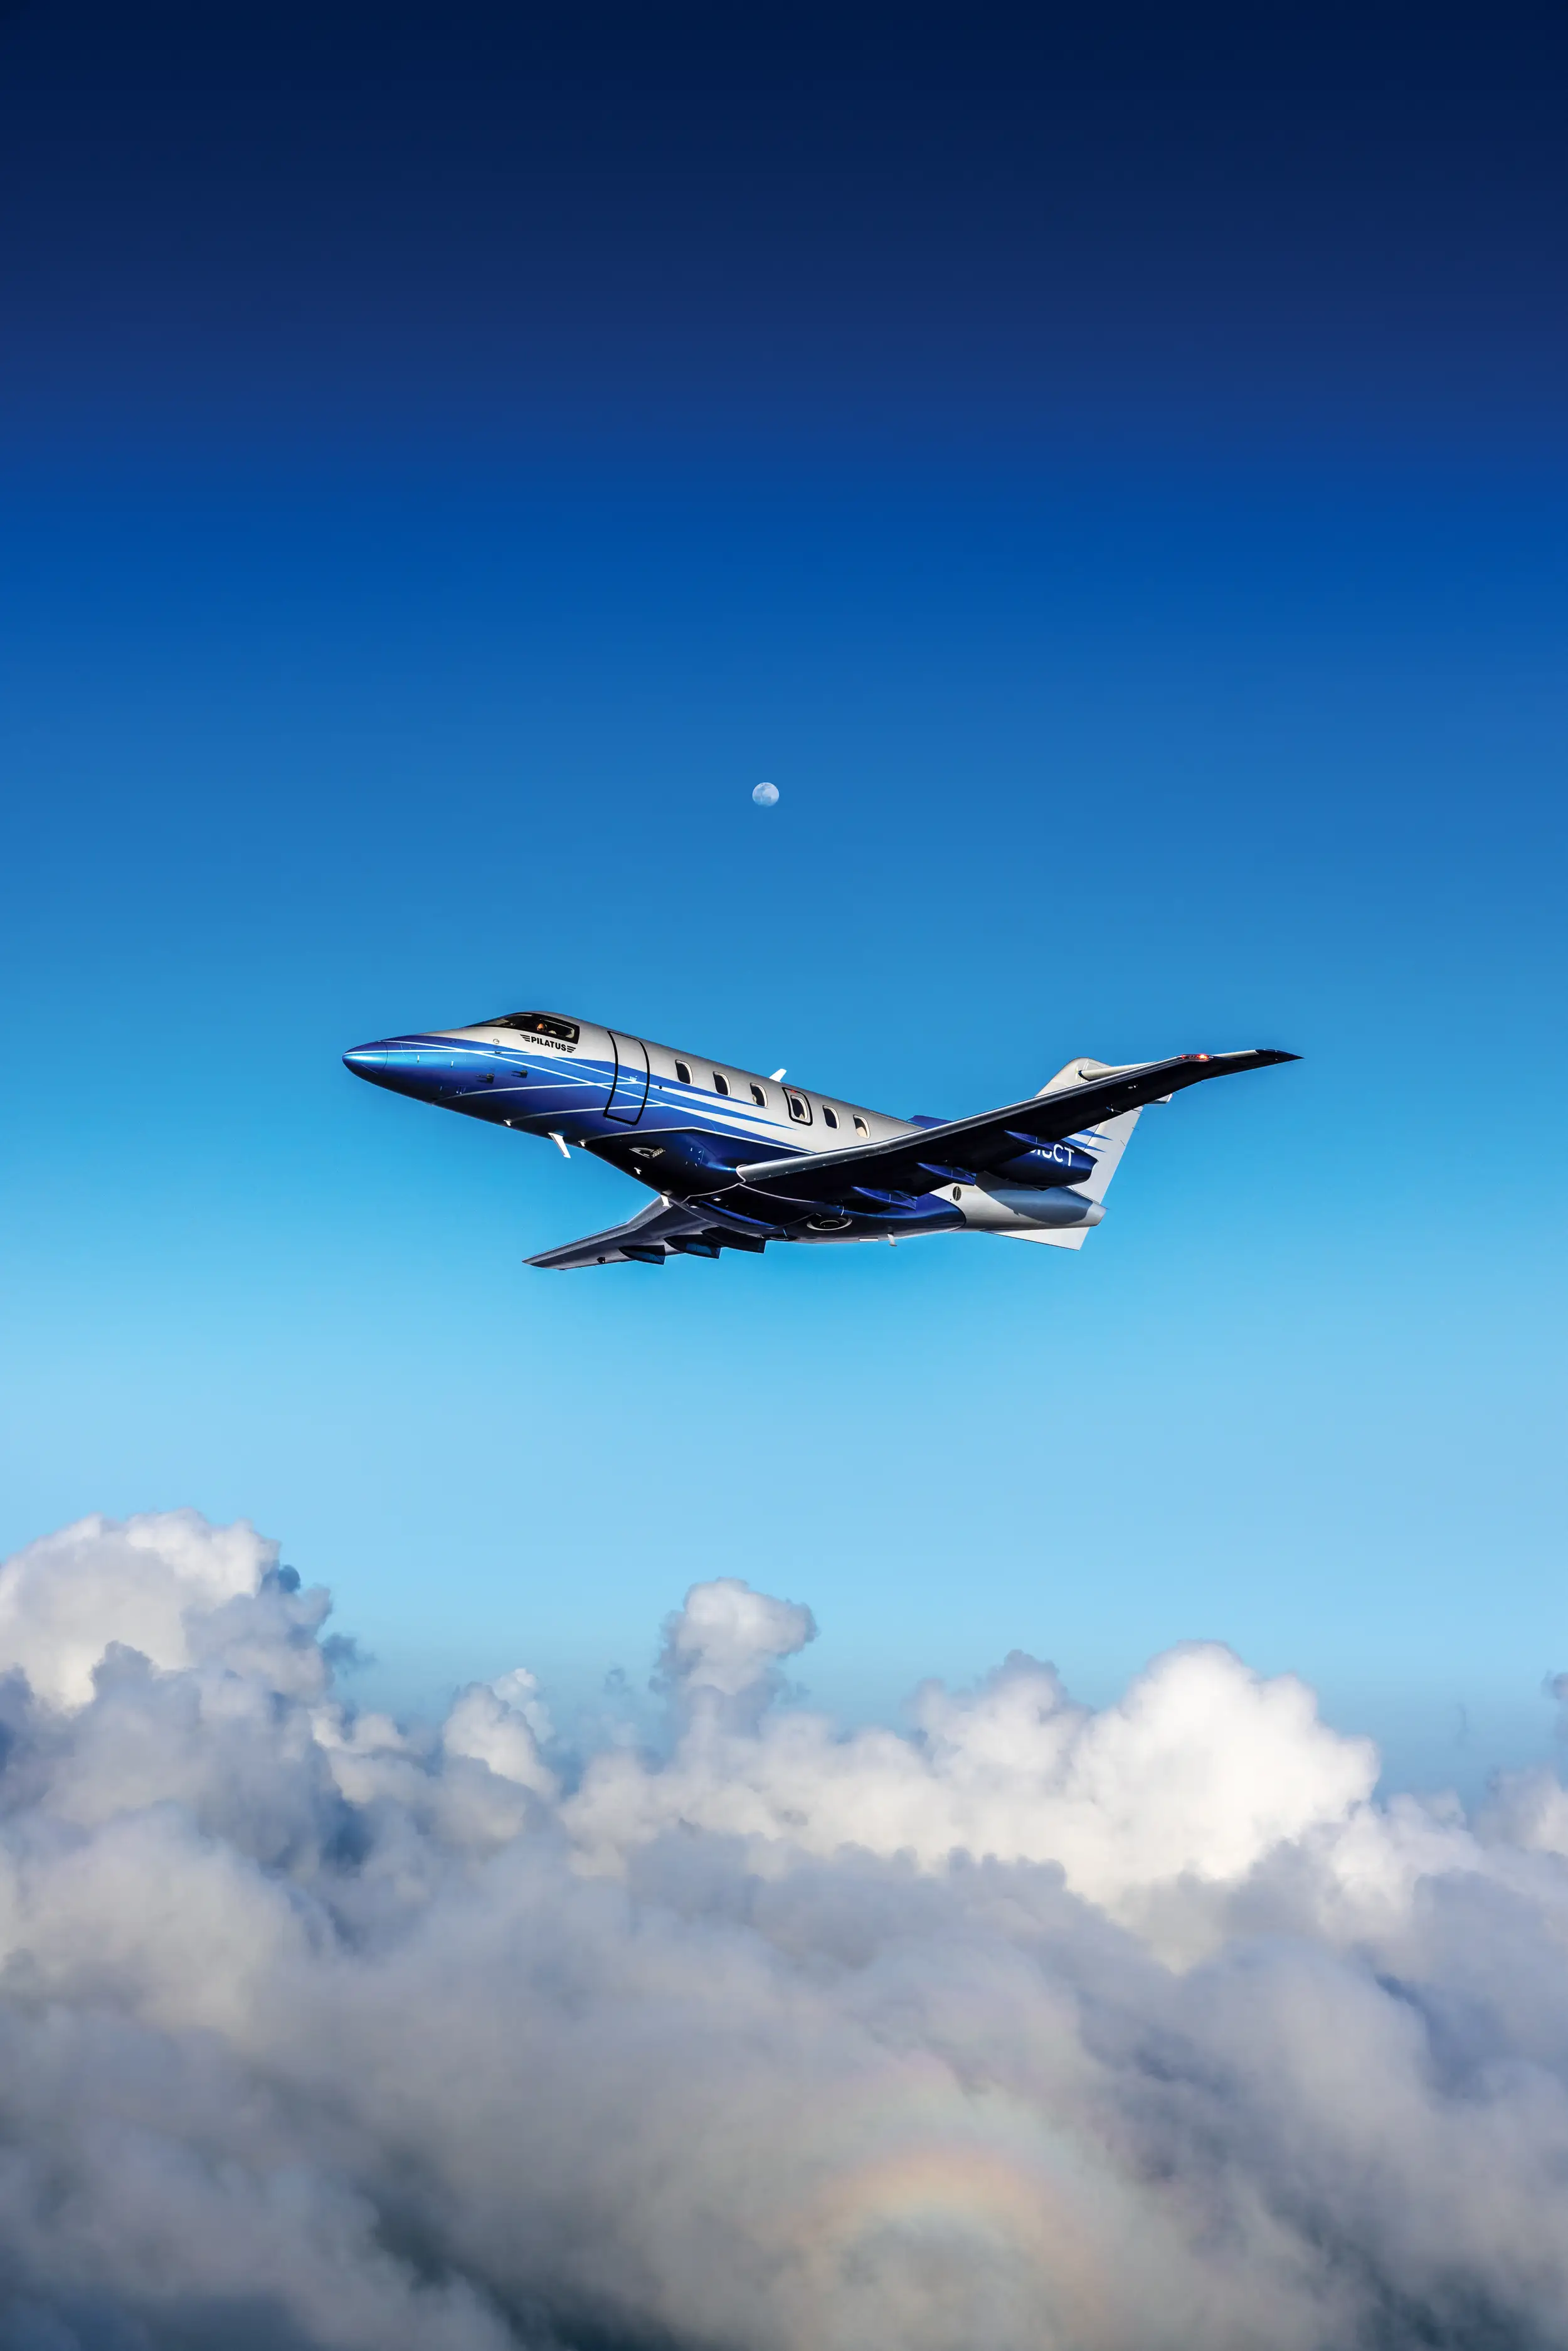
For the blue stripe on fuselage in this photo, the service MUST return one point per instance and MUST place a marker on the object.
(543, 1090)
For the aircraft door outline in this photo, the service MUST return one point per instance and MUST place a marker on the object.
(629, 1094)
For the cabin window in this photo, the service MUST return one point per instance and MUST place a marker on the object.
(720, 1082)
(759, 1097)
(830, 1116)
(684, 1073)
(799, 1108)
(860, 1127)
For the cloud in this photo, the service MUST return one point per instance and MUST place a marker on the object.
(1200, 1772)
(1032, 2026)
(143, 1582)
(722, 1650)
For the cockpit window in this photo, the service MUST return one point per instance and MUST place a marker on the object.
(535, 1024)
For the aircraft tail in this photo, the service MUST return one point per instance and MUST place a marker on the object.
(1111, 1137)
(1107, 1141)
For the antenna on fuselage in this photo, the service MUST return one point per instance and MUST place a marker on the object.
(776, 1075)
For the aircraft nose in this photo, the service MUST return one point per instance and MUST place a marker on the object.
(366, 1060)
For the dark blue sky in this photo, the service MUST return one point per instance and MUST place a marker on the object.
(887, 222)
(1111, 475)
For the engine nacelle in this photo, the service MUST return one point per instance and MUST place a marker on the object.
(1048, 1165)
(1055, 1207)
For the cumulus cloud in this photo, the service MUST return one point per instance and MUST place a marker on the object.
(145, 1581)
(1033, 2025)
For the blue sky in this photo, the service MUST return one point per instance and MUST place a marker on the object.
(421, 534)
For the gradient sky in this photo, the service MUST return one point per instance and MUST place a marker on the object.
(1110, 476)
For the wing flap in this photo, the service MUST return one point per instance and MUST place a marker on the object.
(975, 1144)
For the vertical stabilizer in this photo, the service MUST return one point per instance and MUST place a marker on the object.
(1111, 1137)
(1106, 1142)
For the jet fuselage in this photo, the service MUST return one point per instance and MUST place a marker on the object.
(682, 1124)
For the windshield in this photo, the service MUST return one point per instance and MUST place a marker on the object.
(537, 1024)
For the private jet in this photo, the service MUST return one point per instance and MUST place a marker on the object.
(737, 1160)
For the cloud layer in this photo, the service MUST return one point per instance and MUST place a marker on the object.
(1036, 2028)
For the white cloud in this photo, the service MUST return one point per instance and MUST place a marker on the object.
(1201, 1770)
(1037, 2027)
(722, 1650)
(138, 1580)
(500, 1726)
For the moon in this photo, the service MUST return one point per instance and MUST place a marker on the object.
(765, 795)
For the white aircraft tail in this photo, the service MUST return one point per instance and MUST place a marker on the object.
(1107, 1141)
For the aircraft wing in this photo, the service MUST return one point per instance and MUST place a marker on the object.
(660, 1231)
(967, 1147)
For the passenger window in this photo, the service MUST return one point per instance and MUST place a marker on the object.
(759, 1097)
(800, 1109)
(720, 1082)
(683, 1075)
(860, 1127)
(829, 1117)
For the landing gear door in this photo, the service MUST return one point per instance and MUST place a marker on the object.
(630, 1090)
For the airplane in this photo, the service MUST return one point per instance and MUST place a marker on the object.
(738, 1160)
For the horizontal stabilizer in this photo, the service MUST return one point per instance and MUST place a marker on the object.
(643, 1240)
(660, 1231)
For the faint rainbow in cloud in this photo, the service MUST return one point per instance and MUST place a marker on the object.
(973, 2177)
